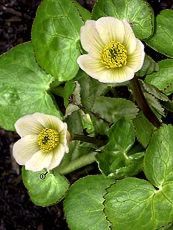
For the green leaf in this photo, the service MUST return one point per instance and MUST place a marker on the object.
(55, 37)
(155, 105)
(90, 90)
(151, 89)
(84, 208)
(84, 13)
(68, 91)
(100, 126)
(114, 159)
(112, 109)
(45, 188)
(148, 67)
(163, 79)
(137, 12)
(24, 86)
(128, 205)
(143, 129)
(163, 36)
(159, 158)
(74, 122)
(136, 204)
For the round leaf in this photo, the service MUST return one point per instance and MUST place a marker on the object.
(128, 205)
(137, 12)
(45, 188)
(83, 205)
(24, 86)
(55, 37)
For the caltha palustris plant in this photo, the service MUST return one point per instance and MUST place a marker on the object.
(83, 91)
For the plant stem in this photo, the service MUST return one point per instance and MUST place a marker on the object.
(78, 163)
(142, 102)
(88, 139)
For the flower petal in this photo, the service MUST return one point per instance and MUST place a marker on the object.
(110, 28)
(49, 121)
(25, 148)
(129, 38)
(39, 161)
(65, 138)
(96, 70)
(136, 59)
(57, 157)
(28, 125)
(90, 65)
(90, 38)
(117, 75)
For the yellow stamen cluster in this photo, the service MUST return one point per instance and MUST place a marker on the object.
(48, 139)
(114, 55)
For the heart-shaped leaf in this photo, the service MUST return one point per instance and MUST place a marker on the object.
(24, 86)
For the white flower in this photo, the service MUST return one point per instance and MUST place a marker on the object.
(43, 141)
(114, 53)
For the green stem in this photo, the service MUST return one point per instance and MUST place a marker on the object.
(142, 102)
(78, 163)
(88, 139)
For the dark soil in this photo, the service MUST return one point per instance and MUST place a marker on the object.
(16, 210)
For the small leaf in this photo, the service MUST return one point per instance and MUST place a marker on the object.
(55, 37)
(148, 67)
(143, 129)
(154, 91)
(163, 36)
(84, 208)
(155, 105)
(112, 109)
(24, 86)
(74, 122)
(114, 159)
(137, 12)
(163, 79)
(159, 158)
(100, 126)
(45, 188)
(90, 90)
(68, 91)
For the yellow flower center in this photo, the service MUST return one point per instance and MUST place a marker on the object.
(48, 139)
(114, 55)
